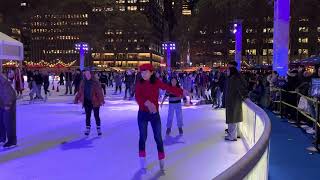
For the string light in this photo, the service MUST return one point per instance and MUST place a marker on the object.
(43, 64)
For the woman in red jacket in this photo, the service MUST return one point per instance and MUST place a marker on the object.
(147, 95)
(91, 96)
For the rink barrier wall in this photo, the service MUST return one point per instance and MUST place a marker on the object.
(255, 132)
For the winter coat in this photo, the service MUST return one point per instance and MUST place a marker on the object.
(68, 76)
(236, 92)
(7, 93)
(97, 95)
(38, 79)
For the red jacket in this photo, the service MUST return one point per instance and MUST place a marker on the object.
(147, 91)
(97, 95)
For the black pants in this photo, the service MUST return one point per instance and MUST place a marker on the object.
(8, 125)
(76, 88)
(118, 87)
(104, 88)
(88, 108)
(46, 87)
(143, 119)
(128, 90)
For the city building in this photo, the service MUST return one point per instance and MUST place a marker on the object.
(135, 37)
(214, 43)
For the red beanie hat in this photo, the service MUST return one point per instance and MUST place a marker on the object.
(145, 67)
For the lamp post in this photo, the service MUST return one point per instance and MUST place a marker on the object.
(238, 48)
(168, 47)
(83, 48)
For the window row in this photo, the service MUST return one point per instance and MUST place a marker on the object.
(59, 16)
(59, 51)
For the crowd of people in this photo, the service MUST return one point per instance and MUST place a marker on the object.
(223, 88)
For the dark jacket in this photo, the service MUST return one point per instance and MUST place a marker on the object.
(7, 93)
(96, 91)
(38, 79)
(236, 92)
(69, 76)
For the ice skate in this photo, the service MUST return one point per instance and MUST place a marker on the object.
(143, 163)
(168, 131)
(180, 131)
(99, 131)
(87, 131)
(161, 163)
(9, 145)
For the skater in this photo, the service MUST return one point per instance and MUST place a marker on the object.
(61, 77)
(7, 113)
(19, 82)
(129, 80)
(38, 79)
(104, 81)
(91, 97)
(77, 81)
(118, 82)
(46, 84)
(236, 92)
(174, 107)
(69, 79)
(147, 93)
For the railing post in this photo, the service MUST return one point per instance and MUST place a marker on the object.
(297, 110)
(317, 127)
(281, 103)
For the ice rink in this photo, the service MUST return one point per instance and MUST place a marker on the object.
(52, 145)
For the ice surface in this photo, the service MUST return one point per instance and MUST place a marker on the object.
(52, 145)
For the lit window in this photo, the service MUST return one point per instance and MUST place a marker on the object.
(318, 39)
(217, 53)
(303, 19)
(203, 32)
(217, 42)
(232, 52)
(268, 40)
(303, 29)
(251, 51)
(251, 41)
(23, 4)
(318, 29)
(303, 40)
(249, 30)
(132, 1)
(303, 51)
(145, 1)
(122, 8)
(132, 8)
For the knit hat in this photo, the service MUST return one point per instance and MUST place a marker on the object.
(145, 67)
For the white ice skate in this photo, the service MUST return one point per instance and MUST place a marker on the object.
(143, 163)
(161, 163)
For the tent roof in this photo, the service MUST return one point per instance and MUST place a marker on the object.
(10, 49)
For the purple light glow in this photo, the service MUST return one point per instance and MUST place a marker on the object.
(281, 36)
(82, 48)
(238, 54)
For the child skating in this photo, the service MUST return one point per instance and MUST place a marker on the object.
(175, 107)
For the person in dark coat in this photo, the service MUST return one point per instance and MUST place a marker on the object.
(236, 92)
(8, 133)
(77, 81)
(69, 79)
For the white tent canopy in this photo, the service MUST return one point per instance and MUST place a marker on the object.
(10, 49)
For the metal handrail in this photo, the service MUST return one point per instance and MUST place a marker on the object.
(246, 164)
